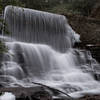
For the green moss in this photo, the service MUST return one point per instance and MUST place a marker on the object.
(3, 48)
(4, 26)
(63, 9)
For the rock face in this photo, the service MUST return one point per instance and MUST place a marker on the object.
(96, 97)
(88, 28)
(96, 11)
(95, 50)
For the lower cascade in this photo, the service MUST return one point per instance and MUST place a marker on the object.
(69, 70)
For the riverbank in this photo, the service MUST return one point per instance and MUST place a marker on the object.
(40, 93)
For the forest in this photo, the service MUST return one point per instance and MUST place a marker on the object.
(83, 7)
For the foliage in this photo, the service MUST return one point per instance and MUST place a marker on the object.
(3, 27)
(34, 4)
(83, 6)
(63, 9)
(4, 3)
(2, 47)
(11, 2)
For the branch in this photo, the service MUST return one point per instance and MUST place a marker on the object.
(51, 88)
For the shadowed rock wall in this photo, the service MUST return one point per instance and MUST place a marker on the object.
(89, 30)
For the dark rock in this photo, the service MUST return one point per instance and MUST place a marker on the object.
(41, 95)
(96, 10)
(87, 27)
(90, 97)
(95, 51)
(31, 93)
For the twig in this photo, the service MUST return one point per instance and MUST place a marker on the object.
(51, 88)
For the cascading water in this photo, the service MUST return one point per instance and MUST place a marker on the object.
(43, 53)
(28, 25)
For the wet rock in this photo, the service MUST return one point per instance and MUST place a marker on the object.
(31, 93)
(87, 27)
(90, 97)
(41, 95)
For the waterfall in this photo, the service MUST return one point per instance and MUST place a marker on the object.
(33, 26)
(40, 50)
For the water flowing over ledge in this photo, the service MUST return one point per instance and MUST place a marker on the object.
(33, 26)
(41, 52)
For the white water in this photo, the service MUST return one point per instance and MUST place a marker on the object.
(71, 71)
(40, 63)
(28, 25)
(7, 96)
